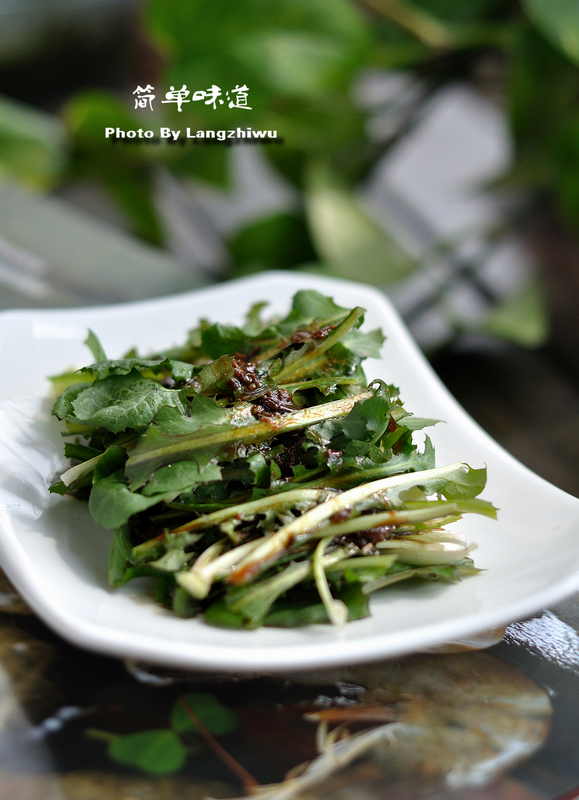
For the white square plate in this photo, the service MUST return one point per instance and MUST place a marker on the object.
(57, 557)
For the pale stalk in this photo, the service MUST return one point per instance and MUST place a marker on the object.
(301, 528)
(336, 610)
(242, 510)
(391, 518)
(410, 550)
(199, 579)
(76, 472)
(321, 346)
(295, 573)
(363, 562)
(254, 433)
(254, 507)
(190, 581)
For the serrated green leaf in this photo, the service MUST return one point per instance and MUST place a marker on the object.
(225, 340)
(203, 412)
(309, 306)
(366, 344)
(413, 423)
(157, 449)
(111, 502)
(63, 407)
(178, 370)
(366, 422)
(183, 476)
(218, 377)
(462, 484)
(79, 452)
(123, 401)
(111, 460)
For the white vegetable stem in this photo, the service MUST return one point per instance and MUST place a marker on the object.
(291, 499)
(336, 610)
(411, 550)
(273, 546)
(79, 470)
(393, 518)
(198, 580)
(252, 507)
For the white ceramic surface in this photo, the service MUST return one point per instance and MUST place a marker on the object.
(57, 557)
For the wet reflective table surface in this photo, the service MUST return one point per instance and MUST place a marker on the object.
(502, 724)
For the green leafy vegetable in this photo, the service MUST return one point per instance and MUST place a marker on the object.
(255, 475)
(112, 503)
(118, 402)
(120, 556)
(94, 345)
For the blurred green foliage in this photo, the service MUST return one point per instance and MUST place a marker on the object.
(32, 145)
(126, 172)
(278, 241)
(300, 60)
(164, 751)
(558, 20)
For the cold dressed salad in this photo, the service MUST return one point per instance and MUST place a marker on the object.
(256, 475)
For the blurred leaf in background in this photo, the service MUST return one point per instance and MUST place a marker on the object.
(558, 20)
(125, 170)
(32, 145)
(279, 241)
(522, 318)
(345, 237)
(300, 61)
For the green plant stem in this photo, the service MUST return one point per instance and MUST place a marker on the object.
(403, 517)
(312, 354)
(255, 433)
(336, 610)
(254, 507)
(283, 499)
(301, 529)
(426, 28)
(246, 778)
